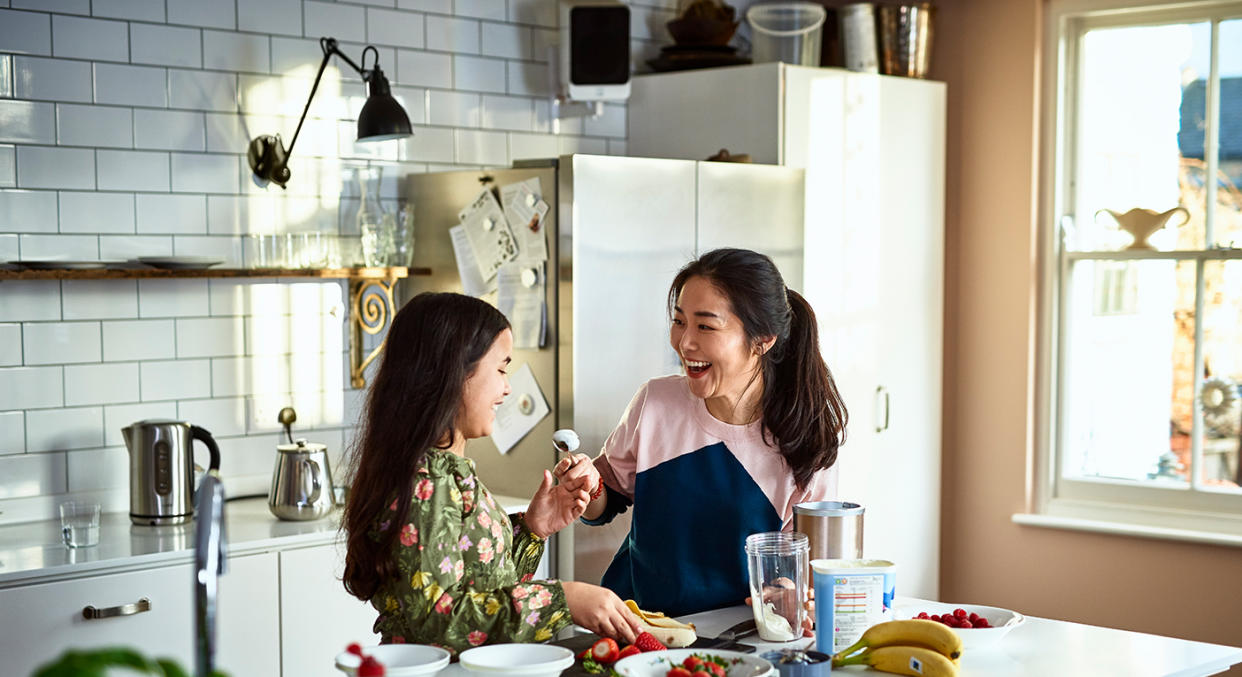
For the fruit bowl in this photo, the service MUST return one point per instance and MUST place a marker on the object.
(658, 663)
(1001, 621)
(399, 660)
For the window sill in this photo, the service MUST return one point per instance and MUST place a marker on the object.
(1124, 529)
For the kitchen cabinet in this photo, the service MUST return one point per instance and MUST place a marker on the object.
(49, 616)
(872, 259)
(318, 618)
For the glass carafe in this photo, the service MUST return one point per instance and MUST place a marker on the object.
(376, 226)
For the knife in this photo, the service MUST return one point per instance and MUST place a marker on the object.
(729, 636)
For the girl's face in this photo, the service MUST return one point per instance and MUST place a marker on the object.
(485, 389)
(712, 344)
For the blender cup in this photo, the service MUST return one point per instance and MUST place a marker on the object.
(777, 561)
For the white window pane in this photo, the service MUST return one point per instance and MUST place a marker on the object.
(1222, 366)
(1228, 224)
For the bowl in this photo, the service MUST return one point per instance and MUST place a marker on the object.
(697, 31)
(400, 660)
(658, 663)
(1001, 620)
(528, 660)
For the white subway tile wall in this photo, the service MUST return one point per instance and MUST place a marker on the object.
(124, 126)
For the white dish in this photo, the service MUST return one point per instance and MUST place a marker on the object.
(528, 660)
(180, 262)
(1001, 620)
(658, 663)
(399, 660)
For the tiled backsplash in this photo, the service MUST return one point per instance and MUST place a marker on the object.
(123, 131)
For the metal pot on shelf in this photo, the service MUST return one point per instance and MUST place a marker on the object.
(301, 482)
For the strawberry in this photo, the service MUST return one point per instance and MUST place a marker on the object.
(692, 662)
(715, 668)
(647, 642)
(701, 672)
(678, 672)
(355, 649)
(627, 651)
(584, 653)
(370, 667)
(605, 650)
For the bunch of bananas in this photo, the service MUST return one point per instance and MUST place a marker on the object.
(913, 647)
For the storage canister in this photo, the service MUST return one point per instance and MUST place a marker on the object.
(834, 528)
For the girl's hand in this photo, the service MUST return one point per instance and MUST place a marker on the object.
(600, 611)
(554, 507)
(574, 466)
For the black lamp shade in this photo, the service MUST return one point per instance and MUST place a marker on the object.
(381, 117)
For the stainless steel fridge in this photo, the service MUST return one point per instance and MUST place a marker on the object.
(617, 231)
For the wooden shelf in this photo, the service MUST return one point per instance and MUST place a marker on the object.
(395, 272)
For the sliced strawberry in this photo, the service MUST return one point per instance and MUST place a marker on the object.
(627, 651)
(605, 650)
(647, 642)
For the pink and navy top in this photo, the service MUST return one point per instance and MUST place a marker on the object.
(698, 487)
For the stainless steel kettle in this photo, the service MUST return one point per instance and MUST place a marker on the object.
(161, 470)
(302, 482)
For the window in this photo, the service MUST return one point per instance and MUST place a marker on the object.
(1143, 363)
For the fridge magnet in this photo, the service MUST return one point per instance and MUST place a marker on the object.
(490, 236)
(521, 411)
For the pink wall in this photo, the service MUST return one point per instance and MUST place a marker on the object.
(988, 51)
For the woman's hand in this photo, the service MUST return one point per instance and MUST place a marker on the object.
(574, 466)
(554, 507)
(601, 611)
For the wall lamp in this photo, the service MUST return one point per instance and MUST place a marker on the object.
(381, 118)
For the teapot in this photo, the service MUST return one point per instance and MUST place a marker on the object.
(1142, 223)
(301, 482)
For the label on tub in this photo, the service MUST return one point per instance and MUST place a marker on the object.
(862, 595)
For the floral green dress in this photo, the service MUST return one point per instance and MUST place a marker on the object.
(464, 571)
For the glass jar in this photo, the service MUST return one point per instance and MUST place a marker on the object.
(376, 225)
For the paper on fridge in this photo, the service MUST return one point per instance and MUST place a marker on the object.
(472, 282)
(489, 233)
(520, 297)
(525, 209)
(521, 411)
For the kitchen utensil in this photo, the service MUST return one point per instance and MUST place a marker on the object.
(729, 636)
(778, 568)
(161, 470)
(851, 595)
(180, 262)
(399, 660)
(657, 663)
(528, 660)
(905, 39)
(834, 528)
(301, 482)
(973, 639)
(79, 524)
(786, 31)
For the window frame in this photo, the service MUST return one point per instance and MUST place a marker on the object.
(1189, 512)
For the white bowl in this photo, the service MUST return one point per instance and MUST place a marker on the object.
(1000, 620)
(400, 660)
(528, 660)
(658, 663)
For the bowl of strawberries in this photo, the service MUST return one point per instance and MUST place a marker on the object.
(694, 663)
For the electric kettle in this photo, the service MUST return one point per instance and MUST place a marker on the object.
(302, 482)
(161, 470)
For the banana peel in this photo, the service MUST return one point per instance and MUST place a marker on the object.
(671, 632)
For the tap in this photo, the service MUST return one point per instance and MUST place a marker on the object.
(210, 560)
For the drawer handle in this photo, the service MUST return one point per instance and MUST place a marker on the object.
(90, 612)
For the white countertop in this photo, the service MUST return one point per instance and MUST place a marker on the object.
(1042, 647)
(33, 552)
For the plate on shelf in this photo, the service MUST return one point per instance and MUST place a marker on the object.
(62, 265)
(180, 262)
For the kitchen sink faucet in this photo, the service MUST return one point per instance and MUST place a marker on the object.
(210, 559)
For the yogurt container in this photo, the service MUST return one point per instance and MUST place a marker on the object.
(851, 595)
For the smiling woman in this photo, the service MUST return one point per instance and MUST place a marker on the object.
(751, 429)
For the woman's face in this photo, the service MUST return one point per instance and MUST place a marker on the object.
(712, 344)
(485, 389)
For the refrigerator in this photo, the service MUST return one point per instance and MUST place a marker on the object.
(617, 230)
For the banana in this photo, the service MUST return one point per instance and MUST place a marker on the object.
(903, 660)
(913, 632)
(670, 632)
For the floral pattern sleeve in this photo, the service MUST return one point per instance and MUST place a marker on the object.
(464, 570)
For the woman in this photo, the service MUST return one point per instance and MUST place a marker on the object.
(427, 544)
(724, 450)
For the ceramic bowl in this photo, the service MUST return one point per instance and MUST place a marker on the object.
(399, 660)
(527, 660)
(658, 663)
(1001, 620)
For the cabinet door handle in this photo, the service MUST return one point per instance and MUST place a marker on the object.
(91, 612)
(881, 422)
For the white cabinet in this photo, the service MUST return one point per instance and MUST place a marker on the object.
(872, 259)
(318, 618)
(42, 621)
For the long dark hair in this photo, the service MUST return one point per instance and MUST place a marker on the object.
(433, 345)
(800, 403)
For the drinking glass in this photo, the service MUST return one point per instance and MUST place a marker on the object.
(403, 236)
(376, 225)
(79, 524)
(777, 561)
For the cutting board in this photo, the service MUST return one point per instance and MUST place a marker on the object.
(580, 643)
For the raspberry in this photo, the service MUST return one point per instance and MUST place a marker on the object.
(960, 613)
(982, 623)
(355, 649)
(974, 617)
(965, 624)
(370, 667)
(922, 614)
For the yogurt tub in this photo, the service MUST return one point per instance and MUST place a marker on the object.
(861, 593)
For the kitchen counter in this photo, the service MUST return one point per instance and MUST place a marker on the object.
(33, 552)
